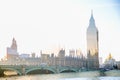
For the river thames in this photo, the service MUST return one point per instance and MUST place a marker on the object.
(91, 75)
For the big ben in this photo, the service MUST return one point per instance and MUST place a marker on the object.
(92, 45)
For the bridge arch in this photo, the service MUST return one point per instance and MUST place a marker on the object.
(33, 69)
(68, 69)
(11, 69)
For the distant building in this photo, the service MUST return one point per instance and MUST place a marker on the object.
(118, 64)
(12, 51)
(61, 53)
(52, 54)
(24, 55)
(33, 55)
(45, 58)
(72, 53)
(92, 45)
(61, 57)
(79, 53)
(100, 62)
(109, 62)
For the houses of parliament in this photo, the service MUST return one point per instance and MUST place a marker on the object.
(91, 62)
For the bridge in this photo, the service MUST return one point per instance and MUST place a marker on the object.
(37, 69)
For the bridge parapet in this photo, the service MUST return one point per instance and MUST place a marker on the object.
(25, 69)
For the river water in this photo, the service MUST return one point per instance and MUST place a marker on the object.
(94, 75)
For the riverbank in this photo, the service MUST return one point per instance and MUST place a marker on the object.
(115, 73)
(87, 75)
(83, 73)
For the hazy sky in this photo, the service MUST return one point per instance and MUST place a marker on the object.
(48, 24)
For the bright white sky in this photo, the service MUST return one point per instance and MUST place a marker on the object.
(49, 24)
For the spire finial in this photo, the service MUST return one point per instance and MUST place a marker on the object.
(92, 21)
(91, 12)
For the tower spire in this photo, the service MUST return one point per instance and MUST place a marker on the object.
(14, 45)
(92, 21)
(92, 13)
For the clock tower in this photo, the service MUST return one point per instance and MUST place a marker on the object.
(92, 45)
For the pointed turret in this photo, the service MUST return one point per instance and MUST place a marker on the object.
(91, 21)
(14, 45)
